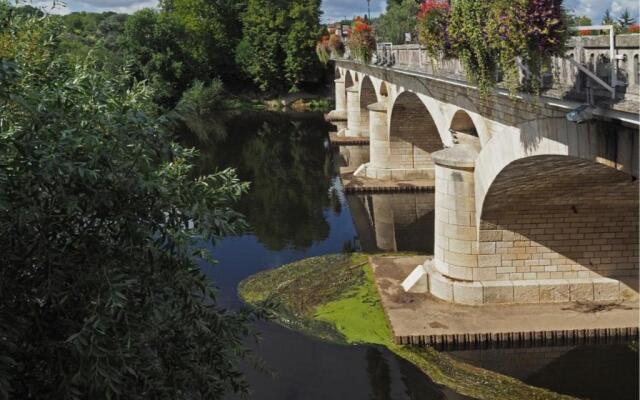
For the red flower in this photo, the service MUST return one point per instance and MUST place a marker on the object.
(432, 5)
(585, 32)
(635, 28)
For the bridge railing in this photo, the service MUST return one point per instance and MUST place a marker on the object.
(566, 79)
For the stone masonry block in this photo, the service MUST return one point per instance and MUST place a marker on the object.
(581, 289)
(606, 289)
(526, 292)
(470, 293)
(440, 287)
(498, 292)
(554, 290)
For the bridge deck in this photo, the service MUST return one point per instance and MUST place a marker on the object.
(424, 320)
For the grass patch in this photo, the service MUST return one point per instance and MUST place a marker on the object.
(334, 298)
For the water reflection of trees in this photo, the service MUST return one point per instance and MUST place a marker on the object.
(285, 159)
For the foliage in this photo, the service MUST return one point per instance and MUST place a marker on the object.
(102, 298)
(493, 37)
(635, 28)
(201, 99)
(361, 41)
(607, 19)
(398, 19)
(469, 42)
(279, 41)
(183, 42)
(625, 20)
(302, 33)
(433, 20)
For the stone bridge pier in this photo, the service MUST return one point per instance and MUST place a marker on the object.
(546, 214)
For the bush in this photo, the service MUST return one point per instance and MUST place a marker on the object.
(200, 99)
(323, 51)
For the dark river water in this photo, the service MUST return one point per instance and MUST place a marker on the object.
(296, 209)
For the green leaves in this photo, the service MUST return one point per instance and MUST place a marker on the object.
(101, 297)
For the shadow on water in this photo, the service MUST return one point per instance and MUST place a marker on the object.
(296, 208)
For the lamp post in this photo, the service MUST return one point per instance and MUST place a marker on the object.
(369, 10)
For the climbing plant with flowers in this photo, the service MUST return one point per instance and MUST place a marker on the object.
(494, 37)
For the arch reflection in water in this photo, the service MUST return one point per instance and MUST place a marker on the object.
(394, 221)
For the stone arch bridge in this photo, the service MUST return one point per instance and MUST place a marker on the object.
(530, 207)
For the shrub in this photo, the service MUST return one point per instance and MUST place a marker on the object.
(635, 28)
(201, 99)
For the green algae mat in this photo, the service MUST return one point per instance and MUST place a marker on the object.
(334, 298)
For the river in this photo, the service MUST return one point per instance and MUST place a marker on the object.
(296, 208)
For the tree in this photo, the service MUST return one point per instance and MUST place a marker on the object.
(101, 296)
(607, 19)
(625, 20)
(260, 54)
(279, 39)
(577, 20)
(399, 19)
(302, 35)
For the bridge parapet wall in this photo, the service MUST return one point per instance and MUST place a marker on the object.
(565, 80)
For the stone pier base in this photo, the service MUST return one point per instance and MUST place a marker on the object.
(423, 319)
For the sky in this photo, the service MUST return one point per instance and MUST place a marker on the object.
(338, 9)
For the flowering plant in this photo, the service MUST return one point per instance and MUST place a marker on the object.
(492, 37)
(527, 31)
(635, 28)
(433, 23)
(361, 41)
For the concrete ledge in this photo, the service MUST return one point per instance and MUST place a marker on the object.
(423, 319)
(460, 156)
(399, 173)
(336, 115)
(525, 291)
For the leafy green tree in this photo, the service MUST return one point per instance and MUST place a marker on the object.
(577, 20)
(261, 54)
(399, 19)
(279, 38)
(302, 36)
(101, 296)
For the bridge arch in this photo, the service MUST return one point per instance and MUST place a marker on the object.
(556, 200)
(348, 79)
(413, 136)
(464, 129)
(561, 217)
(367, 97)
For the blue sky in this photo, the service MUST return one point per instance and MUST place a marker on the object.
(338, 9)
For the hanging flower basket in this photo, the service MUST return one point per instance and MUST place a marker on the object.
(361, 41)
